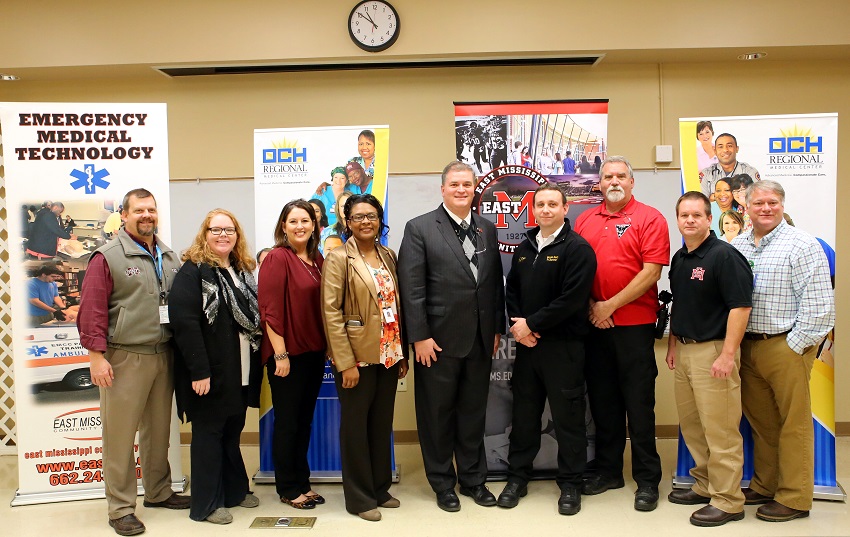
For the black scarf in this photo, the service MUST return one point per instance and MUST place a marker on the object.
(239, 296)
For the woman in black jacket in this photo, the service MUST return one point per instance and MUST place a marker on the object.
(213, 312)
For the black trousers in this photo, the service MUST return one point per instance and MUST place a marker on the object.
(219, 478)
(365, 436)
(620, 373)
(554, 368)
(451, 404)
(294, 401)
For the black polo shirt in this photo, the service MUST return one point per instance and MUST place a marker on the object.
(706, 284)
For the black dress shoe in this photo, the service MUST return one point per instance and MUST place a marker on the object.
(646, 498)
(774, 511)
(710, 516)
(480, 494)
(600, 483)
(570, 501)
(686, 497)
(448, 501)
(511, 494)
(752, 497)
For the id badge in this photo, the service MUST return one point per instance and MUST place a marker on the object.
(163, 315)
(389, 316)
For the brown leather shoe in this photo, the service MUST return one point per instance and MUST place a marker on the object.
(175, 501)
(686, 497)
(752, 497)
(710, 516)
(127, 525)
(774, 511)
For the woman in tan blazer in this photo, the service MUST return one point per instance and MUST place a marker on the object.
(361, 312)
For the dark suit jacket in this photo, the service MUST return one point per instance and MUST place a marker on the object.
(439, 294)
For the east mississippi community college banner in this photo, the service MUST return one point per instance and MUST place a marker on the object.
(85, 156)
(514, 147)
(801, 153)
(321, 164)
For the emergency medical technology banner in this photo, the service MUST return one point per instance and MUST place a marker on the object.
(314, 164)
(801, 153)
(80, 159)
(514, 147)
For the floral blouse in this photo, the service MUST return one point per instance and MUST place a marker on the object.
(391, 351)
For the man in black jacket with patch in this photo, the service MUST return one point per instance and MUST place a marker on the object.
(547, 292)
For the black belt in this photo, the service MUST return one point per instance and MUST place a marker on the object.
(686, 340)
(762, 337)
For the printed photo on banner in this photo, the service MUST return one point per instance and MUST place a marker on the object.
(515, 147)
(321, 165)
(67, 168)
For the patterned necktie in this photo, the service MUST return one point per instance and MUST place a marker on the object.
(469, 241)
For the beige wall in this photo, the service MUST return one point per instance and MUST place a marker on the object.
(211, 119)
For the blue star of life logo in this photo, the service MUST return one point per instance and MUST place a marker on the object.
(36, 350)
(89, 179)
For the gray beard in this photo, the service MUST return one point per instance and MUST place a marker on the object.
(615, 195)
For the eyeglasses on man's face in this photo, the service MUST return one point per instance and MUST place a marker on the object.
(229, 231)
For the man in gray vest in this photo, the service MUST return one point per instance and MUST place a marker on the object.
(123, 322)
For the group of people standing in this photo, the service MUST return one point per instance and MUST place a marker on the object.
(581, 301)
(204, 330)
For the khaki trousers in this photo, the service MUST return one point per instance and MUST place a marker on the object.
(776, 399)
(140, 398)
(710, 417)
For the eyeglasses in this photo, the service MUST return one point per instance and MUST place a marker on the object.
(372, 217)
(226, 230)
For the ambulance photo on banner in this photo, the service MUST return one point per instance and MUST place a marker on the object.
(323, 165)
(801, 153)
(67, 168)
(514, 147)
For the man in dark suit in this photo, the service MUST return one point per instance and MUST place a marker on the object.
(452, 292)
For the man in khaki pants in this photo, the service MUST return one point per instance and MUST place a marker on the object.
(793, 310)
(712, 287)
(122, 324)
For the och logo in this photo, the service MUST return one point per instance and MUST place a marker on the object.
(133, 271)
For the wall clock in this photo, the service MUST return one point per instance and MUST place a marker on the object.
(373, 25)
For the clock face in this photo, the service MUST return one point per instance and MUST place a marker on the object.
(373, 25)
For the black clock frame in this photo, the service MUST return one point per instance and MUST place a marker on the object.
(382, 46)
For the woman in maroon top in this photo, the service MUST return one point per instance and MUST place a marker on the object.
(293, 346)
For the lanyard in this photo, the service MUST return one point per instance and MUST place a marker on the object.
(157, 260)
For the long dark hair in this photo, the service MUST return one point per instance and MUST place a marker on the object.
(280, 235)
(322, 209)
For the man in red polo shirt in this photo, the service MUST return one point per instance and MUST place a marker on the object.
(632, 243)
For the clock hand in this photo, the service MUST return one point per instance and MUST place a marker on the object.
(370, 20)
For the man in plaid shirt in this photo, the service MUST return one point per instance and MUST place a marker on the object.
(793, 310)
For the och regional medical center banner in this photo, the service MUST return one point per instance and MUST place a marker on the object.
(513, 148)
(67, 168)
(801, 153)
(322, 165)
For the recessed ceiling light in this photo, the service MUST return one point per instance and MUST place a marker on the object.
(7, 78)
(752, 56)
